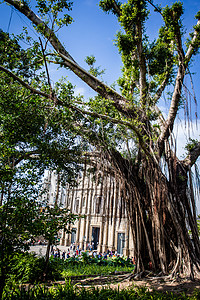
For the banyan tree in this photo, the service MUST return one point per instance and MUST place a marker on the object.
(159, 190)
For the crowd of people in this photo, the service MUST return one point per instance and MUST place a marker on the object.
(76, 252)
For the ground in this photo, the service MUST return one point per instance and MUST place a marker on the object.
(185, 285)
(119, 280)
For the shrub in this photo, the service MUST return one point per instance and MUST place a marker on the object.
(27, 267)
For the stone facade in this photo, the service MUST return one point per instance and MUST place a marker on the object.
(97, 198)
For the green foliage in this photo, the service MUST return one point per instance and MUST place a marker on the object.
(32, 139)
(85, 269)
(69, 291)
(85, 259)
(95, 71)
(160, 58)
(18, 211)
(13, 57)
(26, 267)
(191, 145)
(172, 17)
(107, 6)
(54, 8)
(53, 219)
(132, 12)
(29, 126)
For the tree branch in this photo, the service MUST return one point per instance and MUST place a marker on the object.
(26, 85)
(137, 131)
(104, 117)
(161, 88)
(116, 8)
(190, 160)
(156, 8)
(30, 154)
(94, 114)
(23, 7)
(142, 64)
(118, 101)
(183, 64)
(190, 50)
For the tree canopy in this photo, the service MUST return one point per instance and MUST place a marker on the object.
(157, 187)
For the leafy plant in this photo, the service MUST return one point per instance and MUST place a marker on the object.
(69, 291)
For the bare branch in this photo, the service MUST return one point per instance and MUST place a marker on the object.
(156, 8)
(190, 50)
(45, 62)
(183, 64)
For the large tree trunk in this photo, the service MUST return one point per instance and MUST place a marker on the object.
(160, 209)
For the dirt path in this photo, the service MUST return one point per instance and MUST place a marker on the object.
(185, 285)
(179, 286)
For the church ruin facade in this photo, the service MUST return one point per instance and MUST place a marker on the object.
(97, 197)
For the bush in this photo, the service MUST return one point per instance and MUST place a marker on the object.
(27, 267)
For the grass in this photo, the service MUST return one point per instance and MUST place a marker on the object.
(85, 269)
(69, 292)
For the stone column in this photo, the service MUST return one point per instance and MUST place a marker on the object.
(82, 222)
(67, 239)
(90, 197)
(116, 195)
(68, 205)
(70, 196)
(126, 248)
(103, 195)
(105, 244)
(79, 237)
(62, 240)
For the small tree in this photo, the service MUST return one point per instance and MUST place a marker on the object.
(31, 141)
(52, 220)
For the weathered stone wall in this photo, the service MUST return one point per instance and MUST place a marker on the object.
(96, 197)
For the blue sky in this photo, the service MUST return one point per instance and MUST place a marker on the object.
(93, 32)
